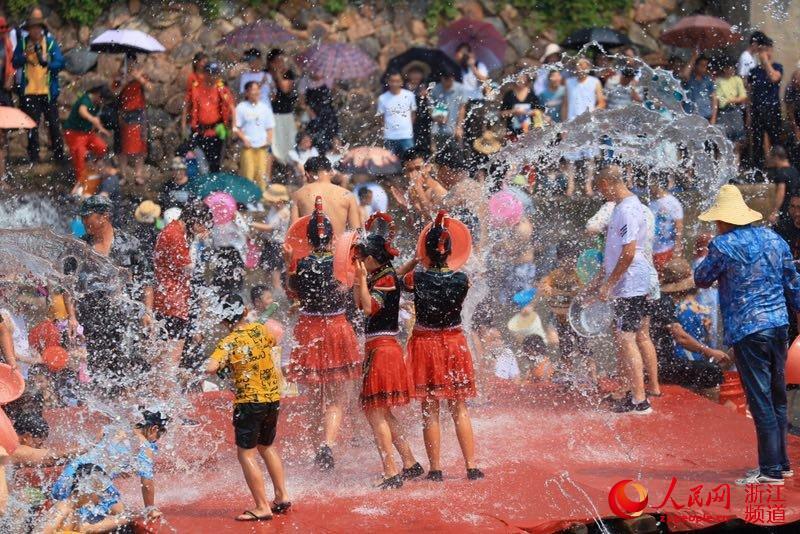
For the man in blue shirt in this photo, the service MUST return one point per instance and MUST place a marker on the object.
(700, 88)
(756, 275)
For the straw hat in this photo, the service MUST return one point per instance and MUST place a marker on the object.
(487, 144)
(276, 193)
(551, 49)
(147, 212)
(730, 208)
(677, 276)
(177, 164)
(416, 64)
(526, 324)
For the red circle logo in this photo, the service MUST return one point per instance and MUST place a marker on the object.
(622, 505)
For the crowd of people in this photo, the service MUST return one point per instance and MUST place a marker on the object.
(210, 283)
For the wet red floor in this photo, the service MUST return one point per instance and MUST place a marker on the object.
(547, 464)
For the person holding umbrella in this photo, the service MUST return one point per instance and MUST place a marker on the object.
(79, 132)
(39, 57)
(473, 72)
(133, 117)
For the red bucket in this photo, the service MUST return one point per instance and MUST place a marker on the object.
(731, 393)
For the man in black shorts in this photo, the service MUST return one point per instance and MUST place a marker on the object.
(630, 279)
(247, 351)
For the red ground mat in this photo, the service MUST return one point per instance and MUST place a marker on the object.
(548, 463)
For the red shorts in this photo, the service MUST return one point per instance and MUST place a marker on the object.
(441, 364)
(326, 350)
(386, 379)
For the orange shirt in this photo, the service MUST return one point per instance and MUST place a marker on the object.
(210, 105)
(131, 98)
(171, 262)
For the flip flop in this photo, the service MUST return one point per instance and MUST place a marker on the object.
(253, 517)
(280, 507)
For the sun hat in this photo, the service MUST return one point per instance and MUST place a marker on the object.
(730, 208)
(276, 193)
(417, 65)
(549, 50)
(147, 212)
(677, 276)
(488, 143)
(526, 323)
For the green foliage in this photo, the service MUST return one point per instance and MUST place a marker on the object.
(439, 11)
(567, 15)
(209, 9)
(335, 7)
(20, 8)
(83, 12)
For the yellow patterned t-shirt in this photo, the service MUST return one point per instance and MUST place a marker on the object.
(248, 351)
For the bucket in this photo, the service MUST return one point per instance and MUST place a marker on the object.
(731, 393)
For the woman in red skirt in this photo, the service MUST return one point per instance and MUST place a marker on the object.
(133, 119)
(441, 364)
(386, 379)
(326, 356)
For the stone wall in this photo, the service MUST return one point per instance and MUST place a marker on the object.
(383, 30)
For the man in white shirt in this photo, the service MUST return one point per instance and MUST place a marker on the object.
(584, 92)
(473, 72)
(628, 279)
(398, 107)
(256, 73)
(747, 61)
(668, 212)
(254, 127)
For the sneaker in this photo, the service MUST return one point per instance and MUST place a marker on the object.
(395, 482)
(414, 471)
(474, 474)
(436, 476)
(324, 458)
(758, 478)
(185, 421)
(786, 473)
(636, 408)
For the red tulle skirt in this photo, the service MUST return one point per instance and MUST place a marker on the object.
(441, 364)
(326, 350)
(386, 379)
(133, 138)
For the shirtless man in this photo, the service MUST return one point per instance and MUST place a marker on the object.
(340, 204)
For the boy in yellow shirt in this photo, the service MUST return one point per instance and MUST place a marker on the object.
(247, 351)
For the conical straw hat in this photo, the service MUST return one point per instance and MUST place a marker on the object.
(730, 208)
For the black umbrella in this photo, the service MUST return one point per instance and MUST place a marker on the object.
(434, 59)
(605, 37)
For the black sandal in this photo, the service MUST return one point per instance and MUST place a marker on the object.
(280, 507)
(473, 473)
(436, 476)
(253, 517)
(395, 482)
(414, 471)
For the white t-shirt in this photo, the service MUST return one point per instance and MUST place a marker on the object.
(254, 120)
(629, 223)
(746, 63)
(666, 210)
(471, 82)
(506, 365)
(396, 111)
(278, 218)
(380, 200)
(264, 78)
(301, 156)
(581, 96)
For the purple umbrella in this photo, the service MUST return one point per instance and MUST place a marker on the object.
(262, 32)
(337, 61)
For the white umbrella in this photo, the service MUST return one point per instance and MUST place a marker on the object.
(126, 42)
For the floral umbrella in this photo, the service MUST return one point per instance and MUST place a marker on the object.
(337, 61)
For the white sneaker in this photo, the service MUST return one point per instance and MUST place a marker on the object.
(786, 474)
(758, 478)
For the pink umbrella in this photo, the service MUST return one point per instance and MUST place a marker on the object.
(337, 61)
(259, 33)
(488, 44)
(370, 160)
(505, 209)
(12, 118)
(700, 32)
(222, 206)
